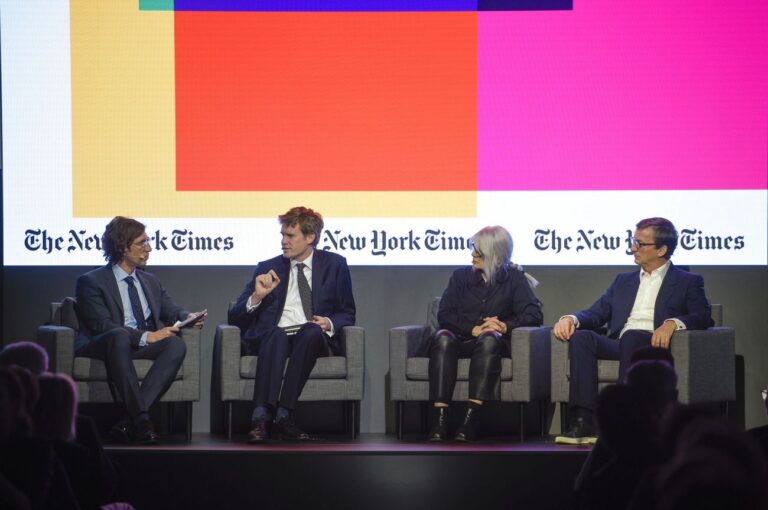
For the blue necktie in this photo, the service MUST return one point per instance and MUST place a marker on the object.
(138, 310)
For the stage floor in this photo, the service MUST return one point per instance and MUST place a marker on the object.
(374, 471)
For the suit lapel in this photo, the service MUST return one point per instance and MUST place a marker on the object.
(154, 306)
(665, 292)
(318, 269)
(110, 283)
(626, 300)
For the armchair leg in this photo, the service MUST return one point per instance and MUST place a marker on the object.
(228, 419)
(399, 419)
(563, 417)
(188, 412)
(357, 418)
(543, 411)
(521, 406)
(424, 408)
(353, 418)
(171, 415)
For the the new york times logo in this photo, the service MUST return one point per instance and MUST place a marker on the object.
(84, 241)
(381, 242)
(591, 240)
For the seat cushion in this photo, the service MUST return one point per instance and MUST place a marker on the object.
(328, 367)
(89, 369)
(417, 369)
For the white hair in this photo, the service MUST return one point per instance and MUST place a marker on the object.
(495, 245)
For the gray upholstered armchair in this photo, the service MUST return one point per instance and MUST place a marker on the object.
(524, 378)
(334, 378)
(704, 361)
(90, 375)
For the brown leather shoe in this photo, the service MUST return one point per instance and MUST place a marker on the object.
(259, 431)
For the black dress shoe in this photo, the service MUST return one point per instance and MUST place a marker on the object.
(145, 434)
(259, 431)
(287, 430)
(439, 431)
(582, 432)
(467, 431)
(120, 432)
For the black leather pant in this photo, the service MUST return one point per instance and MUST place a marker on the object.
(485, 352)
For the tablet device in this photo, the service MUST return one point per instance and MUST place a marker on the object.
(191, 320)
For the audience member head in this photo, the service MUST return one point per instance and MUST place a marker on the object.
(492, 251)
(625, 423)
(25, 354)
(310, 222)
(655, 382)
(652, 353)
(19, 421)
(57, 407)
(664, 233)
(677, 419)
(118, 237)
(715, 466)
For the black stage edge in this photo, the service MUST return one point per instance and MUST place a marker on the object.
(374, 472)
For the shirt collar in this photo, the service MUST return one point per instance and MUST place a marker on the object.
(660, 272)
(120, 273)
(307, 261)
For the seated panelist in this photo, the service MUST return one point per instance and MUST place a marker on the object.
(641, 308)
(292, 310)
(482, 304)
(126, 314)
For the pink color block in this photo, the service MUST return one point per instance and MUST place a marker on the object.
(624, 95)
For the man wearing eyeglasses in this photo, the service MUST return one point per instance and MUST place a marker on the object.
(640, 309)
(126, 314)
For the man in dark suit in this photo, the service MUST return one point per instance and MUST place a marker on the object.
(126, 314)
(640, 309)
(292, 309)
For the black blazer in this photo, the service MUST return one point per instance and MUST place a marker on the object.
(467, 301)
(681, 296)
(331, 295)
(101, 309)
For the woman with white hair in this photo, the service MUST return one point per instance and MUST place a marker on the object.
(482, 304)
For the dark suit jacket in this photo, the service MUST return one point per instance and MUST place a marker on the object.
(467, 301)
(681, 296)
(100, 308)
(331, 295)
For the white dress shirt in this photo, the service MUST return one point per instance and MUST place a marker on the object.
(641, 316)
(293, 312)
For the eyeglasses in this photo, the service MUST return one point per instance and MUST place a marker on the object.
(475, 251)
(143, 244)
(638, 244)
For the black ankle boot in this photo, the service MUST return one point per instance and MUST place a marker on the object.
(467, 431)
(439, 431)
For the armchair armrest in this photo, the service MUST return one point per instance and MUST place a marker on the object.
(404, 342)
(705, 364)
(191, 363)
(226, 358)
(353, 348)
(59, 343)
(530, 349)
(559, 369)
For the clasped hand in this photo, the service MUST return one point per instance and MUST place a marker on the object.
(490, 324)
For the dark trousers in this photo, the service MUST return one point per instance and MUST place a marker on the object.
(277, 384)
(484, 367)
(115, 350)
(585, 348)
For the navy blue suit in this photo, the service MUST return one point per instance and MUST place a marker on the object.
(104, 336)
(331, 297)
(681, 296)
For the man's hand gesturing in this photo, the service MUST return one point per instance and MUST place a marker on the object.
(264, 284)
